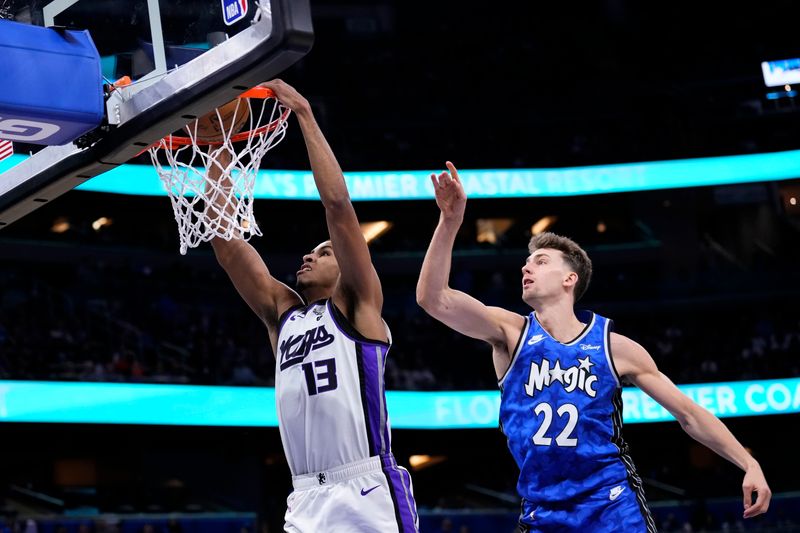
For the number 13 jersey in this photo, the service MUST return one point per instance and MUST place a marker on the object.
(561, 411)
(329, 390)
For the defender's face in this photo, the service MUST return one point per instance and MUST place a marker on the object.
(319, 267)
(544, 274)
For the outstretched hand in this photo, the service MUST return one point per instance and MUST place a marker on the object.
(754, 481)
(450, 195)
(287, 95)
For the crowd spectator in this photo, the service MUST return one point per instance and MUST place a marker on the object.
(95, 323)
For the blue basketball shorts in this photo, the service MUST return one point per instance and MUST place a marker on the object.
(610, 509)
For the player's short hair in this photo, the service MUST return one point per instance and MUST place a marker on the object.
(574, 255)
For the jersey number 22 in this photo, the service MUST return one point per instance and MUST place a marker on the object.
(565, 437)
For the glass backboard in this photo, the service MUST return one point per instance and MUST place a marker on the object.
(185, 57)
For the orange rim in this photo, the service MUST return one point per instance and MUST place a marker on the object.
(258, 92)
(170, 142)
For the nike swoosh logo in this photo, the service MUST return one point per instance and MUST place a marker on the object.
(365, 492)
(615, 494)
(535, 339)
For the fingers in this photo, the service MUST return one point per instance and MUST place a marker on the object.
(268, 85)
(747, 491)
(437, 187)
(762, 502)
(453, 172)
(278, 87)
(447, 184)
(441, 181)
(271, 83)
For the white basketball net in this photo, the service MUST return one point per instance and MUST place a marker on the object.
(210, 196)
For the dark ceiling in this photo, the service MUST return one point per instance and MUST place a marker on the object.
(407, 84)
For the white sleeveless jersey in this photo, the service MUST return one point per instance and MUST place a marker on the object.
(329, 390)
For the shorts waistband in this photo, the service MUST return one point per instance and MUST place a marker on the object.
(343, 473)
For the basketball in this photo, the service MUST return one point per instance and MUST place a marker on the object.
(209, 128)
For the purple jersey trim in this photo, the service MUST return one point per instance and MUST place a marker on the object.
(347, 329)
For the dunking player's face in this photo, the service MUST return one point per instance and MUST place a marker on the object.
(319, 268)
(546, 276)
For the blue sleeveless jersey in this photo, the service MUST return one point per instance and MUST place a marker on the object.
(561, 411)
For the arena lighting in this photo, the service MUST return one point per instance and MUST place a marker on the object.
(779, 95)
(541, 225)
(420, 462)
(488, 183)
(373, 230)
(60, 225)
(781, 72)
(101, 223)
(201, 405)
(490, 229)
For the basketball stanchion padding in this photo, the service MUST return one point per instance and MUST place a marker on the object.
(52, 85)
(210, 174)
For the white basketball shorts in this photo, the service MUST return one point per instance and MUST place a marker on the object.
(370, 496)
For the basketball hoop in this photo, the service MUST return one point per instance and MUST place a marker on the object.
(209, 182)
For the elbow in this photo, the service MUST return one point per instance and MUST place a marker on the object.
(337, 202)
(686, 422)
(428, 300)
(687, 415)
(423, 300)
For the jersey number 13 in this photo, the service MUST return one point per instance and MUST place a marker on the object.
(320, 376)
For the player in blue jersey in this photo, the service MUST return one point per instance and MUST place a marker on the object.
(559, 375)
(330, 349)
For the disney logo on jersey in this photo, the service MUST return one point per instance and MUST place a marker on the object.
(297, 347)
(574, 377)
(590, 347)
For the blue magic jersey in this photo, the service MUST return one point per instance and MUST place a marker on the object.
(561, 410)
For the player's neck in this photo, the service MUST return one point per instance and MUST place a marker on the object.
(559, 320)
(313, 294)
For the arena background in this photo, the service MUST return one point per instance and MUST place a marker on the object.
(92, 289)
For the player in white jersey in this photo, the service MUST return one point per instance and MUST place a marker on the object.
(330, 348)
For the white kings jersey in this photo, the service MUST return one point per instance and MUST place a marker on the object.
(329, 390)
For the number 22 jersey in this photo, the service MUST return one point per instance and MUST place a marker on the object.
(561, 411)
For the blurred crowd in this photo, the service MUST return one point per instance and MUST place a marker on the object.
(96, 322)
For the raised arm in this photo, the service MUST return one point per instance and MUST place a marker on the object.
(633, 361)
(265, 295)
(457, 309)
(358, 281)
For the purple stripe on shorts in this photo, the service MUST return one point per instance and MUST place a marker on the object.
(373, 377)
(407, 478)
(385, 429)
(400, 485)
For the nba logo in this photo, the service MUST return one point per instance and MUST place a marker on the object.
(233, 10)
